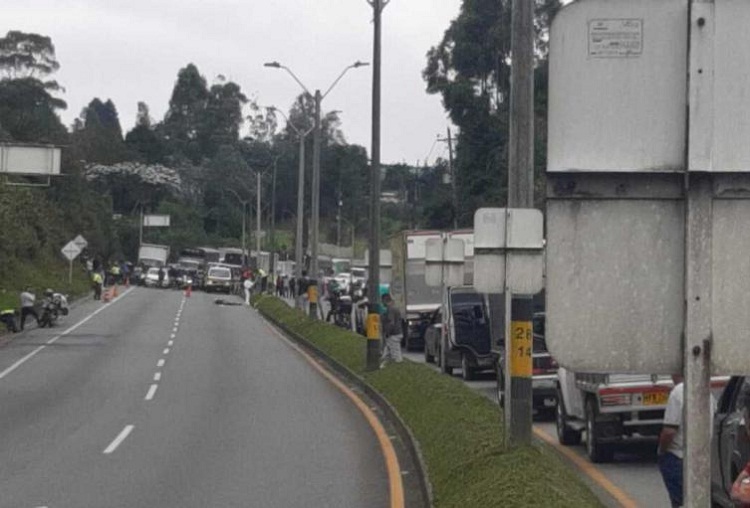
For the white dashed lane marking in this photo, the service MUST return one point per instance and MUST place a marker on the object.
(119, 439)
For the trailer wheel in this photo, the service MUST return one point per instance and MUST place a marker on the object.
(500, 384)
(596, 451)
(565, 435)
(444, 367)
(467, 371)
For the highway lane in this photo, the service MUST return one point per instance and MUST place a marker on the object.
(158, 400)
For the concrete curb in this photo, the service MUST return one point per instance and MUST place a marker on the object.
(391, 413)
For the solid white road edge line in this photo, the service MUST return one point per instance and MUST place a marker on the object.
(119, 439)
(57, 337)
(157, 376)
(151, 391)
(160, 363)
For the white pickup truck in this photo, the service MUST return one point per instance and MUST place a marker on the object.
(612, 409)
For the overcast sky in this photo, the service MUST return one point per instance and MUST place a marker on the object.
(131, 50)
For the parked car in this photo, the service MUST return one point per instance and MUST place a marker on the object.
(152, 278)
(461, 339)
(730, 445)
(219, 278)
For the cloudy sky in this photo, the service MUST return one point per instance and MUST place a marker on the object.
(131, 50)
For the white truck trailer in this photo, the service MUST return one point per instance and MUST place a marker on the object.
(153, 255)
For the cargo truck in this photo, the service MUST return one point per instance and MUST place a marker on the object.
(412, 296)
(153, 255)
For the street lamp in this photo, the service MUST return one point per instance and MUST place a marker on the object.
(298, 253)
(318, 97)
(244, 217)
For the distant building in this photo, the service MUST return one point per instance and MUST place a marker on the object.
(391, 197)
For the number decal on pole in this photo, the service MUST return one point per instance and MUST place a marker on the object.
(522, 336)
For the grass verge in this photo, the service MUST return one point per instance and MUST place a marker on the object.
(458, 430)
(51, 274)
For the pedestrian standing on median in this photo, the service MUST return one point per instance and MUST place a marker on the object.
(247, 285)
(672, 442)
(28, 299)
(392, 332)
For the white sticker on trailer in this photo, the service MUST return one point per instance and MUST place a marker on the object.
(615, 38)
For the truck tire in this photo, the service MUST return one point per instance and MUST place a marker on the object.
(596, 451)
(444, 367)
(467, 371)
(565, 435)
(500, 384)
(428, 358)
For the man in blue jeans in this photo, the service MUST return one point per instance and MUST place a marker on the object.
(672, 442)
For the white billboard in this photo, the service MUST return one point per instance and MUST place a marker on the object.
(40, 160)
(156, 221)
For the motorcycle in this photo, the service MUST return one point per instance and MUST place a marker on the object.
(53, 306)
(341, 310)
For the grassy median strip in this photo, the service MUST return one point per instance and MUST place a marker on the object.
(458, 430)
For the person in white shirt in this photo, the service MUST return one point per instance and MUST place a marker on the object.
(28, 299)
(247, 285)
(672, 442)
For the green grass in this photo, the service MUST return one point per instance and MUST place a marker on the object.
(50, 274)
(459, 431)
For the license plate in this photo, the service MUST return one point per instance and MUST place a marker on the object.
(550, 402)
(655, 399)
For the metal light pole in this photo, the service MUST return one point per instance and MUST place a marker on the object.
(338, 221)
(298, 252)
(318, 98)
(373, 318)
(244, 203)
(257, 217)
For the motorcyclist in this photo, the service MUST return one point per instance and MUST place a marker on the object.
(334, 294)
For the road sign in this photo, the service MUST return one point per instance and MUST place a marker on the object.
(156, 221)
(80, 241)
(71, 250)
(514, 236)
(444, 262)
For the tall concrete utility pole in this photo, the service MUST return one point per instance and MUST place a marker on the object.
(373, 283)
(518, 407)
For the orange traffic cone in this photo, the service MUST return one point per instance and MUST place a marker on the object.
(107, 296)
(114, 291)
(127, 281)
(188, 291)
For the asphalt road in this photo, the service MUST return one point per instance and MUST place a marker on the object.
(159, 400)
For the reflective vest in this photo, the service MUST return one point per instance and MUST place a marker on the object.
(97, 278)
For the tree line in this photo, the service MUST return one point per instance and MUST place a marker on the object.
(199, 162)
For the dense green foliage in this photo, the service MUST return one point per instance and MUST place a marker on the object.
(458, 430)
(470, 69)
(199, 163)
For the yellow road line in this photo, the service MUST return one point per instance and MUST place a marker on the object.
(389, 453)
(591, 471)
